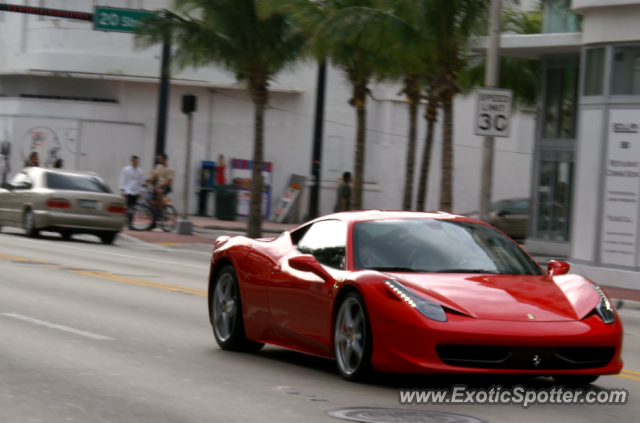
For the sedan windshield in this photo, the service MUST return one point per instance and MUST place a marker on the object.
(437, 246)
(71, 182)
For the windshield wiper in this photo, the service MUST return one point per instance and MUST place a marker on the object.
(393, 269)
(491, 272)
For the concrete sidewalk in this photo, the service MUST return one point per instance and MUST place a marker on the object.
(268, 228)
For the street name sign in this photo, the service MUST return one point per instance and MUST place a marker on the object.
(118, 20)
(493, 117)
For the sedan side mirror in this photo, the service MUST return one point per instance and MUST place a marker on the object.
(308, 263)
(557, 267)
(7, 186)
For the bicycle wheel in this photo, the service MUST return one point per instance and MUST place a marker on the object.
(142, 218)
(168, 219)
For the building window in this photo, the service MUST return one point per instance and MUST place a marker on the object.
(560, 105)
(594, 71)
(554, 195)
(558, 17)
(626, 71)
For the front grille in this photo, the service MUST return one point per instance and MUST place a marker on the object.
(525, 358)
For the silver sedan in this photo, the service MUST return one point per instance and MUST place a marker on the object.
(64, 201)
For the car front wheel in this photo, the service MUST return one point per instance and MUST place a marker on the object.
(108, 238)
(352, 339)
(226, 314)
(29, 224)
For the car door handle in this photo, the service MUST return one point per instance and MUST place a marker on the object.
(276, 269)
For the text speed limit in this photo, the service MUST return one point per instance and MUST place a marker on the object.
(493, 116)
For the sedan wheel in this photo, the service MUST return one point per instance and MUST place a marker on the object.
(30, 224)
(352, 338)
(226, 314)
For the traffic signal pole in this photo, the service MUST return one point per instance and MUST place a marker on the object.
(492, 75)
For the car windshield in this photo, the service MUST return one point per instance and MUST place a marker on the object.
(498, 204)
(70, 182)
(437, 246)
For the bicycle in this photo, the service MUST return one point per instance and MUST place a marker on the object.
(144, 216)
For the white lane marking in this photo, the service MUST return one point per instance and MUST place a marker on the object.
(115, 254)
(59, 327)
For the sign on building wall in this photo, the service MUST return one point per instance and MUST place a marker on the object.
(493, 112)
(622, 189)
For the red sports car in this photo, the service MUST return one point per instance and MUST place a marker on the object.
(411, 292)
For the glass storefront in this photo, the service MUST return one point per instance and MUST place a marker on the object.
(554, 195)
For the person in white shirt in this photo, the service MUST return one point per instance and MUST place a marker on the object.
(132, 183)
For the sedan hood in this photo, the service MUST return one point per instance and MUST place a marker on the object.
(507, 297)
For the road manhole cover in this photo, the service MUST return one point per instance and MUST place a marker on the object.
(394, 415)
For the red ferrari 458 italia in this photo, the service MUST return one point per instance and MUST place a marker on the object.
(410, 292)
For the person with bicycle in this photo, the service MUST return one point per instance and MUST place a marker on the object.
(161, 178)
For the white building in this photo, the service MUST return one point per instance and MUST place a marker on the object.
(90, 98)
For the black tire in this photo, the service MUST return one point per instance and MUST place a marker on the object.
(66, 235)
(350, 370)
(229, 335)
(142, 218)
(575, 381)
(108, 238)
(169, 219)
(29, 224)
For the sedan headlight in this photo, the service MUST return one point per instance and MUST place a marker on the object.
(604, 307)
(428, 308)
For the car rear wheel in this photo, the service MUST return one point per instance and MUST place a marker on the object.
(108, 238)
(575, 381)
(226, 314)
(29, 224)
(352, 338)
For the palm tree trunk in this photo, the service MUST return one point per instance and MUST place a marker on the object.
(255, 207)
(446, 184)
(413, 97)
(431, 117)
(358, 177)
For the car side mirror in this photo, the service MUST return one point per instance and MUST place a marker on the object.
(557, 267)
(7, 186)
(308, 263)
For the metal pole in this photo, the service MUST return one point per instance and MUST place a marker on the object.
(314, 197)
(187, 166)
(491, 80)
(163, 100)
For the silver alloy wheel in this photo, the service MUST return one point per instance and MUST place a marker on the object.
(224, 307)
(28, 222)
(349, 337)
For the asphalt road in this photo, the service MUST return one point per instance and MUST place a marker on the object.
(95, 333)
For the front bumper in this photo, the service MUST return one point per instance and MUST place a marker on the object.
(406, 343)
(77, 222)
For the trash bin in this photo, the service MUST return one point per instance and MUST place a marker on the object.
(207, 184)
(226, 202)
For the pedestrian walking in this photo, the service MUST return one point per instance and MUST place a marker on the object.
(58, 164)
(131, 184)
(343, 202)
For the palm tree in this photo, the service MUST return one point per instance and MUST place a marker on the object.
(452, 24)
(431, 116)
(348, 33)
(231, 34)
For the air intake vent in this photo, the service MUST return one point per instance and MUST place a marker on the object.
(60, 97)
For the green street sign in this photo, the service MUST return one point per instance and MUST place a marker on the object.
(118, 20)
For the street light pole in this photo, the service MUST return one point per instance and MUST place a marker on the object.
(184, 226)
(492, 76)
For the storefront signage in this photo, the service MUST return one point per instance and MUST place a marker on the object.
(118, 20)
(493, 117)
(622, 189)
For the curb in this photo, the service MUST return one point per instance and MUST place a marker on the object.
(239, 229)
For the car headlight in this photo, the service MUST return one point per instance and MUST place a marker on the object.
(604, 307)
(427, 308)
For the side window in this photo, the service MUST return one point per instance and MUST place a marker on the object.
(22, 181)
(326, 241)
(519, 207)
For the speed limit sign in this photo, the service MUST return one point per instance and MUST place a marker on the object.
(493, 117)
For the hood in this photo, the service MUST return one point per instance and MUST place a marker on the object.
(507, 297)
